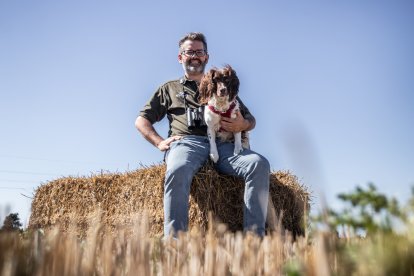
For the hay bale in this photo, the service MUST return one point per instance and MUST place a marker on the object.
(119, 196)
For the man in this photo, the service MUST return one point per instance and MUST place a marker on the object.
(187, 147)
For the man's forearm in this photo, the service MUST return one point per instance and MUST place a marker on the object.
(251, 122)
(147, 130)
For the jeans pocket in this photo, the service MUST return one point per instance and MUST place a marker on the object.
(172, 145)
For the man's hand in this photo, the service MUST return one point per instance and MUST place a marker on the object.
(165, 144)
(237, 124)
(147, 130)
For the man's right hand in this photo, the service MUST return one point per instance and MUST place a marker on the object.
(147, 130)
(165, 144)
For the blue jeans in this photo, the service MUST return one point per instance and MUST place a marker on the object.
(186, 156)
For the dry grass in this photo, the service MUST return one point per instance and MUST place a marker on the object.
(217, 252)
(120, 196)
(133, 251)
(71, 217)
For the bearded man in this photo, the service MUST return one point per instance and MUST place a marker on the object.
(187, 146)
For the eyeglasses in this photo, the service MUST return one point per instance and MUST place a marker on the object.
(191, 53)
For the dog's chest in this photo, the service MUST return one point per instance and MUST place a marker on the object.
(213, 117)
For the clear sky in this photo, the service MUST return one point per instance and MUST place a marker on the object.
(329, 82)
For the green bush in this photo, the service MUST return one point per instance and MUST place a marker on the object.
(369, 211)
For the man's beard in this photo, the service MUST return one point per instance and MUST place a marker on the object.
(192, 67)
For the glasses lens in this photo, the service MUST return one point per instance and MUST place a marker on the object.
(200, 53)
(191, 53)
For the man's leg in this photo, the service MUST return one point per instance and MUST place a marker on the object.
(255, 170)
(183, 159)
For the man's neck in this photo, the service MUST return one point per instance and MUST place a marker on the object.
(194, 77)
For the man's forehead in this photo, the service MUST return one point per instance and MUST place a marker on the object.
(193, 44)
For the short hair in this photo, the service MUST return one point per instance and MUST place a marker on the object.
(193, 36)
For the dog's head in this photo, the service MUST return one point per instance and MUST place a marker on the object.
(222, 83)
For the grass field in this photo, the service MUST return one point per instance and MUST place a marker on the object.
(372, 235)
(218, 252)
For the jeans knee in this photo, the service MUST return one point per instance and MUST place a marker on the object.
(179, 170)
(259, 165)
(179, 177)
(264, 163)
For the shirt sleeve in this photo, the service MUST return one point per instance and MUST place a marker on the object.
(156, 108)
(243, 109)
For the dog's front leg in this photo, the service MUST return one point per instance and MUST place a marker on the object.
(237, 143)
(213, 147)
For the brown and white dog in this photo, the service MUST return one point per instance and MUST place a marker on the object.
(218, 90)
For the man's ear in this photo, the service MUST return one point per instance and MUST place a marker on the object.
(180, 58)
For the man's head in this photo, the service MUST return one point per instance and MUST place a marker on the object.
(192, 54)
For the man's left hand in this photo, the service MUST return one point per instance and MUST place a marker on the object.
(237, 124)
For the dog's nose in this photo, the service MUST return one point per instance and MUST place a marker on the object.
(223, 91)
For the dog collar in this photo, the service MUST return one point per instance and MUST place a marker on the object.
(226, 114)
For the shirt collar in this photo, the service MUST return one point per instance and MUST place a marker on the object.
(184, 80)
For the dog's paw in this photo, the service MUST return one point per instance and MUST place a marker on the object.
(214, 157)
(237, 149)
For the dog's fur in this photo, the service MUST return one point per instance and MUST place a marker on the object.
(218, 90)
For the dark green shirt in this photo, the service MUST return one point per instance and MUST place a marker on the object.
(168, 100)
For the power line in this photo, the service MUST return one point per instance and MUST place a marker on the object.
(21, 181)
(25, 172)
(52, 160)
(26, 196)
(13, 188)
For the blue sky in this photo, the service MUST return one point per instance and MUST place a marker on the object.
(329, 82)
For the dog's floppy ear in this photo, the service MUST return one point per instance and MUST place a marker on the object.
(234, 82)
(207, 86)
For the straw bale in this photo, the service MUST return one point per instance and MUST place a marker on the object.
(70, 202)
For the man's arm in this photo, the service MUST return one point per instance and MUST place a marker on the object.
(251, 121)
(150, 134)
(239, 123)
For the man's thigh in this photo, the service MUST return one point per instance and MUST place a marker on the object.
(190, 152)
(239, 164)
